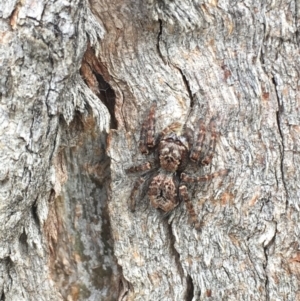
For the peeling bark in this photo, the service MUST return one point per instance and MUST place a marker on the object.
(78, 80)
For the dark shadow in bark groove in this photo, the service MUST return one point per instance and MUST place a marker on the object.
(23, 242)
(281, 149)
(188, 88)
(2, 296)
(96, 76)
(108, 97)
(35, 214)
(158, 41)
(190, 288)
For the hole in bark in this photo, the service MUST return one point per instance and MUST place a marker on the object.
(96, 76)
(108, 97)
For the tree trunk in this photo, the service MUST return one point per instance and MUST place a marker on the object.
(54, 230)
(71, 71)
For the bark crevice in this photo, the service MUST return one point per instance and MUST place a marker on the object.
(174, 251)
(187, 86)
(124, 287)
(158, 41)
(185, 276)
(190, 288)
(266, 274)
(281, 148)
(266, 250)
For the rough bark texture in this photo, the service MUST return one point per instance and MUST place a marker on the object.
(54, 233)
(66, 72)
(237, 61)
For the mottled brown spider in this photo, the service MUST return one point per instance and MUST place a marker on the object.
(172, 153)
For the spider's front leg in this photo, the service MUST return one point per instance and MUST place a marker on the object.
(212, 145)
(197, 146)
(142, 167)
(134, 192)
(147, 137)
(183, 194)
(190, 179)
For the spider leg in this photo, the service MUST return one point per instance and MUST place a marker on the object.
(134, 192)
(212, 145)
(189, 206)
(196, 150)
(190, 179)
(141, 167)
(147, 137)
(154, 190)
(189, 134)
(170, 128)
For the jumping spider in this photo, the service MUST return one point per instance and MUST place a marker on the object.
(172, 153)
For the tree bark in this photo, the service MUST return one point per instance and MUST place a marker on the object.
(78, 81)
(54, 229)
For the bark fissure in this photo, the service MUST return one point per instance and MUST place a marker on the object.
(158, 41)
(266, 252)
(174, 252)
(281, 148)
(124, 287)
(122, 111)
(188, 279)
(190, 288)
(9, 266)
(35, 214)
(226, 272)
(266, 274)
(49, 88)
(56, 141)
(297, 18)
(187, 86)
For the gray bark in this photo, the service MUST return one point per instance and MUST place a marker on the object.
(53, 219)
(66, 230)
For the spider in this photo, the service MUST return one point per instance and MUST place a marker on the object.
(172, 153)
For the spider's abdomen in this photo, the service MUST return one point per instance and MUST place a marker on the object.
(162, 192)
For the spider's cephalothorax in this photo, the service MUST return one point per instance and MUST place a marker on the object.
(172, 154)
(172, 151)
